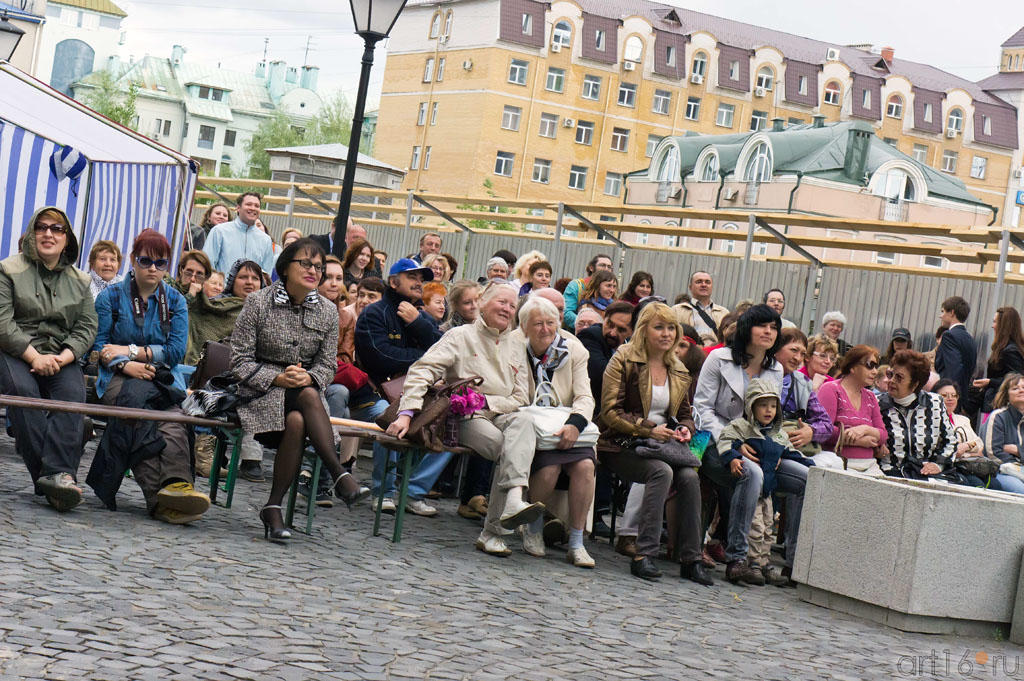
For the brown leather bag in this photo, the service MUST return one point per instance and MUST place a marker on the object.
(214, 361)
(428, 424)
(391, 390)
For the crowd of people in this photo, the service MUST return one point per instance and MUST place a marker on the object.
(704, 420)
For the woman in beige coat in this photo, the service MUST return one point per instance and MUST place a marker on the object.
(498, 432)
(283, 351)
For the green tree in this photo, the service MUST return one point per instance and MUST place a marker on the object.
(500, 210)
(275, 131)
(333, 123)
(107, 96)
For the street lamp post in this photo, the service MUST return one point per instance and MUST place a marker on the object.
(374, 20)
(10, 36)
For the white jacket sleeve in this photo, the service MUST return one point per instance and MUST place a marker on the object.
(706, 395)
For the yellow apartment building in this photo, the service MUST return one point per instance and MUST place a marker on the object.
(559, 101)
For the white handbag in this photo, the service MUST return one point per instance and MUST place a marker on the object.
(548, 420)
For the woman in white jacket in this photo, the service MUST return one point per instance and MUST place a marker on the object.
(498, 432)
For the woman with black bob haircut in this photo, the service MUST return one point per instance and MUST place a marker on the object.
(718, 400)
(284, 352)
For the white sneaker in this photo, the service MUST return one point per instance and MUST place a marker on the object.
(520, 513)
(388, 505)
(492, 544)
(418, 507)
(579, 557)
(533, 543)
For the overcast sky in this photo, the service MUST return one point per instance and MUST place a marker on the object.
(959, 37)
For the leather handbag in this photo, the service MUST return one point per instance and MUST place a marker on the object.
(548, 420)
(391, 390)
(350, 376)
(214, 360)
(983, 466)
(427, 427)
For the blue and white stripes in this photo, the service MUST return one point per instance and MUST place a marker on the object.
(27, 184)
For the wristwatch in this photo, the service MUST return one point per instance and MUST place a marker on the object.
(133, 351)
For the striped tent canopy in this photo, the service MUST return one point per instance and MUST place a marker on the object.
(111, 181)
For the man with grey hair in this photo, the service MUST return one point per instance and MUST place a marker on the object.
(699, 312)
(832, 325)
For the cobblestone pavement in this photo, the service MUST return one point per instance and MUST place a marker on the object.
(99, 595)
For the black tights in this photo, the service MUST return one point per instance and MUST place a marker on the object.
(304, 417)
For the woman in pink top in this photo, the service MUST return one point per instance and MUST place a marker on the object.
(821, 357)
(850, 402)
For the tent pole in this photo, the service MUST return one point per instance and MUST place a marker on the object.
(82, 252)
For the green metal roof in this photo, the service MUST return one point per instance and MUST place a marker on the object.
(104, 6)
(813, 151)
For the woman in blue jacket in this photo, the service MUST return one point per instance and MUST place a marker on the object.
(142, 336)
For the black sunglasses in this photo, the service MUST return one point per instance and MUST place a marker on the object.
(871, 365)
(55, 229)
(146, 262)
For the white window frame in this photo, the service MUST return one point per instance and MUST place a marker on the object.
(541, 171)
(700, 64)
(555, 80)
(548, 125)
(801, 85)
(421, 116)
(426, 157)
(627, 92)
(661, 103)
(414, 163)
(758, 120)
(652, 143)
(612, 183)
(692, 109)
(709, 169)
(428, 70)
(670, 55)
(865, 99)
(979, 167)
(950, 160)
(986, 125)
(599, 40)
(433, 114)
(518, 71)
(734, 69)
(894, 107)
(440, 69)
(578, 176)
(765, 80)
(833, 96)
(920, 153)
(759, 165)
(527, 24)
(504, 163)
(510, 117)
(591, 87)
(927, 113)
(561, 36)
(668, 165)
(725, 115)
(955, 119)
(620, 139)
(584, 129)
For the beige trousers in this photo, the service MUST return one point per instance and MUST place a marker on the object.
(760, 539)
(510, 441)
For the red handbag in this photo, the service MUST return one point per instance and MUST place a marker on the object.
(350, 376)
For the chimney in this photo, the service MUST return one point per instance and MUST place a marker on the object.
(114, 64)
(261, 70)
(310, 75)
(177, 54)
(858, 144)
(275, 80)
(778, 124)
(292, 75)
(819, 121)
(887, 55)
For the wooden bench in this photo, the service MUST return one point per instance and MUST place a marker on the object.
(226, 431)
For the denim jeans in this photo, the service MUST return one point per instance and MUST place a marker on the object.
(791, 479)
(337, 396)
(1009, 483)
(424, 475)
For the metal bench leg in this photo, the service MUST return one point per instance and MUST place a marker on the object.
(380, 498)
(236, 453)
(218, 462)
(290, 510)
(311, 499)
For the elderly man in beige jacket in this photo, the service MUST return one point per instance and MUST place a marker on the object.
(498, 433)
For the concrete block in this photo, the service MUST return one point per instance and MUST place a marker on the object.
(916, 551)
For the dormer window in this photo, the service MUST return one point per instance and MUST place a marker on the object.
(210, 93)
(759, 164)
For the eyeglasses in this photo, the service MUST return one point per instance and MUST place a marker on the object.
(871, 365)
(41, 228)
(189, 274)
(145, 262)
(893, 376)
(307, 264)
(827, 356)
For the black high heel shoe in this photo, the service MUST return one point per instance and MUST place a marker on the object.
(281, 535)
(351, 498)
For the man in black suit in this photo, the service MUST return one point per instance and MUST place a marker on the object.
(352, 232)
(957, 353)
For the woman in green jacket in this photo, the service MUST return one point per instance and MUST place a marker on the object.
(47, 323)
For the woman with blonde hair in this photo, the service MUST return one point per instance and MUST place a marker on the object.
(645, 410)
(289, 235)
(521, 270)
(822, 355)
(441, 268)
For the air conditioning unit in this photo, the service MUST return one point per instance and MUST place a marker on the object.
(832, 54)
(760, 92)
(951, 133)
(556, 47)
(468, 65)
(696, 79)
(1019, 172)
(729, 194)
(628, 66)
(568, 122)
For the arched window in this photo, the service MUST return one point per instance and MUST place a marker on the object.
(955, 120)
(765, 78)
(634, 49)
(700, 64)
(668, 166)
(562, 34)
(833, 93)
(896, 184)
(759, 164)
(729, 246)
(448, 23)
(894, 108)
(435, 25)
(709, 169)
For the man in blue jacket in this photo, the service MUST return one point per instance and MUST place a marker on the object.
(241, 239)
(390, 335)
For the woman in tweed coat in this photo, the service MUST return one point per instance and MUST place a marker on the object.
(283, 351)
